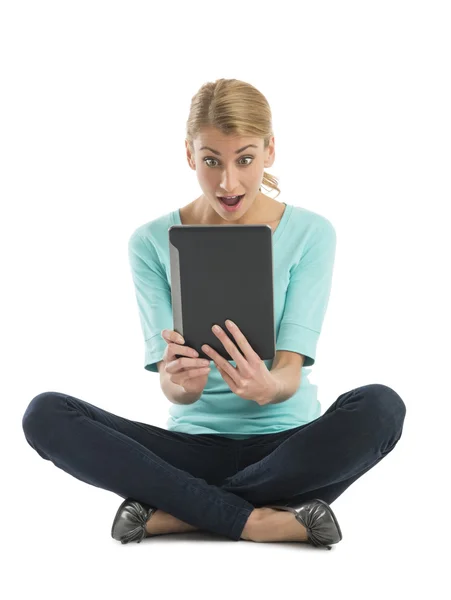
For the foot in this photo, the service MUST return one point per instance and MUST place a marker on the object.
(277, 526)
(161, 523)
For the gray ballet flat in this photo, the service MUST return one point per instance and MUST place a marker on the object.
(129, 524)
(318, 519)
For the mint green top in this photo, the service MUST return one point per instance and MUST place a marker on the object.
(304, 245)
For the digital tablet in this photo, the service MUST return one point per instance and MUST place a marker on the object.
(221, 272)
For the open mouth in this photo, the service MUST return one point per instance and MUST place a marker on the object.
(231, 203)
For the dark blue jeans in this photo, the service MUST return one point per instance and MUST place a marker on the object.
(210, 481)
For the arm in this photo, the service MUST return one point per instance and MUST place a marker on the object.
(173, 392)
(306, 301)
(286, 370)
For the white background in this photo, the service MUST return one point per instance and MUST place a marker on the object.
(94, 102)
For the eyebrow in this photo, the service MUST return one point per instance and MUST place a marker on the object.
(236, 151)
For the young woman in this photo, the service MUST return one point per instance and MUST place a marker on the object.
(247, 453)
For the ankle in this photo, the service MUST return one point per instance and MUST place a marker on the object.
(161, 522)
(279, 526)
(253, 524)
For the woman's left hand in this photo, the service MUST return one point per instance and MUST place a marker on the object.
(250, 379)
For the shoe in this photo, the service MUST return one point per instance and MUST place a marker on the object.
(129, 524)
(318, 519)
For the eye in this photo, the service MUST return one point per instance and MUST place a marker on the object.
(216, 160)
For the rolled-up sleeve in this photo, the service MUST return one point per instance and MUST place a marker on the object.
(308, 294)
(153, 295)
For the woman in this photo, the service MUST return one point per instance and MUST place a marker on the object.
(246, 453)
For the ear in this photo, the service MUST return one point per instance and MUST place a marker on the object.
(270, 153)
(190, 156)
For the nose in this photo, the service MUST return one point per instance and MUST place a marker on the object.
(229, 181)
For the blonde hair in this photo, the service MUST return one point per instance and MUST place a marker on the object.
(233, 107)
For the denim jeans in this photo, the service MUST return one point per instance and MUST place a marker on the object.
(210, 481)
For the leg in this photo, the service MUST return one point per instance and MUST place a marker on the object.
(269, 525)
(161, 523)
(137, 460)
(274, 526)
(322, 458)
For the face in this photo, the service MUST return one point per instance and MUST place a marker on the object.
(222, 171)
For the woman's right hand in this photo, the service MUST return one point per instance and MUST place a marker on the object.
(187, 371)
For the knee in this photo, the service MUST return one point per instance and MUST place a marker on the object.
(388, 404)
(37, 412)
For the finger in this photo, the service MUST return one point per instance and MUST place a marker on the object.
(174, 340)
(183, 350)
(242, 342)
(222, 363)
(230, 347)
(230, 382)
(186, 363)
(172, 336)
